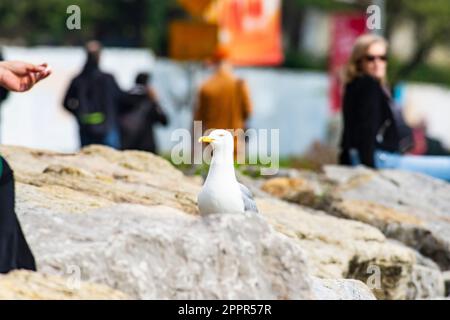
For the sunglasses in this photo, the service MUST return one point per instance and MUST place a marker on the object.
(371, 58)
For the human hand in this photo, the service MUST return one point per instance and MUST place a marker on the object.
(21, 76)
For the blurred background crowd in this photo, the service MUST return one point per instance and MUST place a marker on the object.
(289, 55)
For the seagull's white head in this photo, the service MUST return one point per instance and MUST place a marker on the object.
(221, 141)
(218, 138)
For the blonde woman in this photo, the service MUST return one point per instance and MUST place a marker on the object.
(373, 132)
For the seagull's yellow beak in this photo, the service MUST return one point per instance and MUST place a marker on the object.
(205, 139)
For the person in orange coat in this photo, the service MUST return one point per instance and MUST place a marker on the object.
(223, 100)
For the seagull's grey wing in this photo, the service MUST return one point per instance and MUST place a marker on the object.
(247, 196)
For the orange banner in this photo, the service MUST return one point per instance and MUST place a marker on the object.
(192, 40)
(251, 29)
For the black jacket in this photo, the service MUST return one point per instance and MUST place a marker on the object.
(3, 94)
(139, 112)
(369, 121)
(14, 250)
(93, 85)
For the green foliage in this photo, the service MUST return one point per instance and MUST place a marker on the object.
(431, 26)
(158, 25)
(433, 12)
(431, 19)
(421, 73)
(146, 23)
(118, 22)
(295, 59)
(44, 21)
(326, 5)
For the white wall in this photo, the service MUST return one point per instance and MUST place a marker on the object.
(294, 102)
(431, 104)
(36, 118)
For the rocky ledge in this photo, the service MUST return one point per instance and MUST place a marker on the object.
(129, 221)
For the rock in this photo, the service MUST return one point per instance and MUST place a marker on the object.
(341, 289)
(99, 176)
(446, 276)
(416, 280)
(129, 220)
(162, 253)
(372, 213)
(428, 282)
(26, 285)
(337, 248)
(409, 207)
(291, 189)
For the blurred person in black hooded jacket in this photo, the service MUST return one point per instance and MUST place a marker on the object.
(93, 98)
(140, 111)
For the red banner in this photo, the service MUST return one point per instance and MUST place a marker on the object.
(345, 29)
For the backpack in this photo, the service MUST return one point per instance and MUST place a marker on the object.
(405, 133)
(134, 121)
(92, 109)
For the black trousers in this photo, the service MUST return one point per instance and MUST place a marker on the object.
(14, 250)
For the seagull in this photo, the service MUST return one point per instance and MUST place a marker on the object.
(221, 192)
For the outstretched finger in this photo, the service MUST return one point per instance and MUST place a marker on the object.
(44, 74)
(29, 67)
